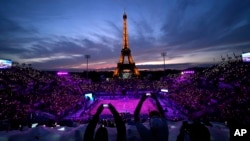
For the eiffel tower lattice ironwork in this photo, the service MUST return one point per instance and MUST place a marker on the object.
(126, 52)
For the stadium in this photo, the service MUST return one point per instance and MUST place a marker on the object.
(160, 71)
(33, 99)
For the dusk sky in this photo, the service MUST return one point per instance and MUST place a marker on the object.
(57, 34)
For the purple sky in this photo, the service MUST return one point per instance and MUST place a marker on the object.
(57, 34)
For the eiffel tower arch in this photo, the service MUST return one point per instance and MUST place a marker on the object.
(126, 68)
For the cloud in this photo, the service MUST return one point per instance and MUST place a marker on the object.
(68, 52)
(209, 23)
(10, 28)
(15, 37)
(187, 30)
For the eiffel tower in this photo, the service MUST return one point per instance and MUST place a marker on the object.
(126, 69)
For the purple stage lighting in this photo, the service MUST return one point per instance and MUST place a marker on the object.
(188, 72)
(62, 73)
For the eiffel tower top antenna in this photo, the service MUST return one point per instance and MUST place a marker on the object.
(124, 14)
(125, 31)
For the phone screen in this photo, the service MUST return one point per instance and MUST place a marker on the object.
(105, 105)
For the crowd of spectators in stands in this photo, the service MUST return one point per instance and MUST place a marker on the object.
(216, 93)
(26, 91)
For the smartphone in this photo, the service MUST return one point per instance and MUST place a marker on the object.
(105, 105)
(148, 94)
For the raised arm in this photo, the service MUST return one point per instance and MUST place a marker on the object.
(120, 125)
(90, 130)
(159, 107)
(138, 108)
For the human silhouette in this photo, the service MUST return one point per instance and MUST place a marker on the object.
(158, 130)
(102, 133)
(193, 132)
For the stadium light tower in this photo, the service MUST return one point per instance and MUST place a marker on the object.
(87, 57)
(163, 54)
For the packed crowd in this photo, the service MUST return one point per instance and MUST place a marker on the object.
(221, 91)
(25, 91)
(216, 93)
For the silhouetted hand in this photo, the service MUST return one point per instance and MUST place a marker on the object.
(138, 108)
(99, 110)
(111, 107)
(159, 107)
(144, 97)
(89, 132)
(154, 96)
